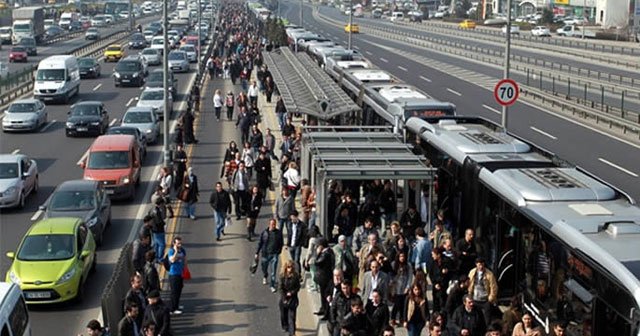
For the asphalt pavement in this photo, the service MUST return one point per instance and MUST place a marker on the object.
(57, 158)
(609, 157)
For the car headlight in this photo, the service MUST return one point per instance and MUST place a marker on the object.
(69, 124)
(126, 180)
(67, 276)
(148, 131)
(95, 123)
(135, 74)
(14, 277)
(10, 190)
(93, 221)
(116, 75)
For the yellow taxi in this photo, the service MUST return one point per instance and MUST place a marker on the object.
(353, 28)
(114, 53)
(467, 24)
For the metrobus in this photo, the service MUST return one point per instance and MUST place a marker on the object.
(115, 7)
(555, 235)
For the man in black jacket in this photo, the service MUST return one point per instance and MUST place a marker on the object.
(220, 201)
(340, 307)
(129, 326)
(467, 319)
(296, 237)
(158, 313)
(270, 244)
(157, 228)
(377, 312)
(135, 296)
(140, 247)
(325, 262)
(356, 322)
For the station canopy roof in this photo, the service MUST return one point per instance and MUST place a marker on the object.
(305, 87)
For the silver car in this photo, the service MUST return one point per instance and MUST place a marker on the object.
(192, 54)
(154, 98)
(153, 56)
(178, 61)
(144, 119)
(18, 179)
(24, 115)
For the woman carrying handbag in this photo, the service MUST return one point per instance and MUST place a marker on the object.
(289, 287)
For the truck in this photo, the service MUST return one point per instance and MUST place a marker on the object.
(575, 31)
(27, 22)
(67, 18)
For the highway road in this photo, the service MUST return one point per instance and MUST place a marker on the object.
(57, 156)
(613, 159)
(62, 47)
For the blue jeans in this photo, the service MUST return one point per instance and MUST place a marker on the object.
(282, 119)
(159, 243)
(282, 223)
(415, 329)
(295, 252)
(270, 261)
(190, 209)
(219, 217)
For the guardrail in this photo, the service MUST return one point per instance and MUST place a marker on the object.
(600, 113)
(20, 88)
(116, 288)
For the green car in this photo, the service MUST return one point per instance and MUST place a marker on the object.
(53, 260)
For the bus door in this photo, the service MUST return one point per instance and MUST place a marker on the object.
(506, 254)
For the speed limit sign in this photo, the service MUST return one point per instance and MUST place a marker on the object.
(506, 92)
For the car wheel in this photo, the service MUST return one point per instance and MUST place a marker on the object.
(80, 292)
(99, 240)
(21, 200)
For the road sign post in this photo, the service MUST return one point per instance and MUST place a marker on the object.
(506, 92)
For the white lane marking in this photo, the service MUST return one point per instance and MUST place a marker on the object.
(618, 167)
(83, 157)
(368, 52)
(113, 122)
(425, 79)
(129, 102)
(344, 42)
(543, 133)
(402, 68)
(45, 127)
(454, 92)
(16, 151)
(384, 60)
(36, 215)
(491, 109)
(97, 87)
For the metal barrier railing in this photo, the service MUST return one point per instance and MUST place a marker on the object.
(116, 289)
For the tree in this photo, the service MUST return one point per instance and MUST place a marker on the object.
(547, 16)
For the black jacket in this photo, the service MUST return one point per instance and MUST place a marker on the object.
(158, 314)
(126, 327)
(263, 242)
(263, 172)
(192, 196)
(255, 205)
(325, 262)
(137, 255)
(472, 321)
(378, 317)
(340, 307)
(301, 237)
(150, 278)
(220, 201)
(289, 285)
(140, 301)
(357, 325)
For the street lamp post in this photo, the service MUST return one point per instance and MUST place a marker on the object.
(131, 22)
(350, 23)
(584, 6)
(165, 80)
(507, 60)
(301, 24)
(199, 38)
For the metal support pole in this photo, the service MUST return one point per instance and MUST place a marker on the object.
(165, 80)
(198, 52)
(278, 10)
(131, 21)
(301, 23)
(584, 5)
(350, 25)
(507, 56)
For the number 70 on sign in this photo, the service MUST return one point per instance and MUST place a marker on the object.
(506, 92)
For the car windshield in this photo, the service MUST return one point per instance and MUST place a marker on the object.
(73, 200)
(17, 49)
(109, 160)
(8, 170)
(128, 66)
(113, 49)
(150, 52)
(123, 130)
(192, 42)
(158, 41)
(155, 76)
(21, 27)
(50, 75)
(5, 30)
(152, 95)
(92, 30)
(28, 42)
(137, 118)
(85, 110)
(174, 56)
(86, 62)
(47, 247)
(137, 37)
(188, 48)
(22, 108)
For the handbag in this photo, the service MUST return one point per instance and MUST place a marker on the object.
(271, 186)
(183, 195)
(254, 266)
(186, 274)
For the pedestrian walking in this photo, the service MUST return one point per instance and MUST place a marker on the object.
(220, 201)
(229, 103)
(178, 262)
(255, 203)
(179, 166)
(270, 144)
(244, 124)
(281, 112)
(252, 92)
(296, 238)
(325, 262)
(292, 179)
(417, 311)
(187, 127)
(217, 104)
(377, 312)
(269, 88)
(289, 288)
(256, 139)
(285, 205)
(189, 193)
(262, 167)
(248, 159)
(158, 313)
(244, 79)
(240, 187)
(94, 328)
(270, 246)
(400, 286)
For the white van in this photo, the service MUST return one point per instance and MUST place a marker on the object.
(397, 16)
(14, 316)
(57, 79)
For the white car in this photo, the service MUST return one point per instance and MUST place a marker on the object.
(192, 54)
(18, 179)
(158, 43)
(152, 56)
(144, 119)
(98, 21)
(540, 31)
(24, 115)
(154, 98)
(515, 30)
(178, 61)
(108, 18)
